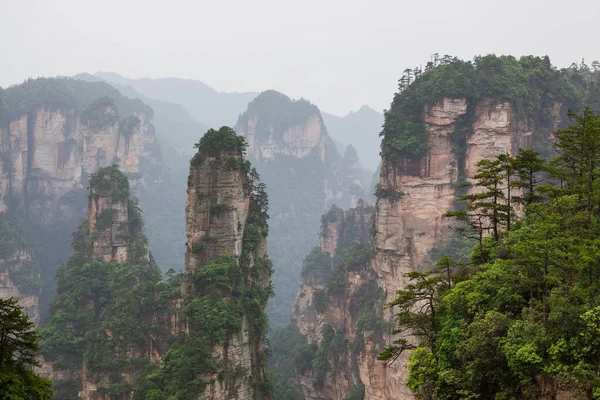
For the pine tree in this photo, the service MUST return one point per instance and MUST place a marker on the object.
(18, 347)
(528, 166)
(578, 162)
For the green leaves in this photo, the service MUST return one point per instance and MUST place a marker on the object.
(18, 348)
(530, 84)
(223, 139)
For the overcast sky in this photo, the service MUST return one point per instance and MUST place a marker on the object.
(339, 54)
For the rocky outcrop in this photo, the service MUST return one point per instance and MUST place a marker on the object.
(216, 209)
(51, 151)
(297, 141)
(54, 133)
(414, 196)
(114, 235)
(225, 217)
(108, 219)
(337, 295)
(19, 278)
(304, 173)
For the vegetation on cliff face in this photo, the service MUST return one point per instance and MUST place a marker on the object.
(18, 352)
(335, 354)
(25, 274)
(103, 314)
(110, 180)
(275, 113)
(97, 106)
(87, 98)
(521, 320)
(300, 188)
(530, 84)
(226, 294)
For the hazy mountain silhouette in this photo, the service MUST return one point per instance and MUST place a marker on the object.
(171, 120)
(205, 104)
(361, 130)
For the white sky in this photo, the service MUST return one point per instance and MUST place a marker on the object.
(339, 54)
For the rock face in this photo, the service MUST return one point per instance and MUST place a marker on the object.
(296, 141)
(108, 220)
(51, 144)
(337, 294)
(112, 234)
(410, 225)
(216, 209)
(224, 216)
(413, 196)
(26, 291)
(304, 173)
(51, 150)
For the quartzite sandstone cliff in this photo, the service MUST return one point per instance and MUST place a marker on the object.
(226, 214)
(49, 149)
(409, 223)
(304, 173)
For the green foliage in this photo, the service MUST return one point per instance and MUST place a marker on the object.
(128, 126)
(530, 84)
(177, 376)
(12, 235)
(105, 218)
(24, 273)
(521, 321)
(18, 348)
(275, 113)
(110, 180)
(101, 113)
(389, 194)
(489, 210)
(27, 277)
(363, 306)
(64, 93)
(319, 301)
(219, 208)
(213, 317)
(224, 139)
(317, 264)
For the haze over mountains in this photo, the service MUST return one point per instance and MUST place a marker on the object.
(206, 107)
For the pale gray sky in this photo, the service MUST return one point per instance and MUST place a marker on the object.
(339, 54)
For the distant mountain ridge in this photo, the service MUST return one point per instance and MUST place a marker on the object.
(205, 104)
(212, 109)
(172, 121)
(361, 130)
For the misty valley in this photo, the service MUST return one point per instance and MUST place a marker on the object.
(162, 240)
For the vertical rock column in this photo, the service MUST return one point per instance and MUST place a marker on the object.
(108, 217)
(223, 215)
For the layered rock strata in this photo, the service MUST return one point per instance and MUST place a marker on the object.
(54, 133)
(297, 159)
(225, 216)
(413, 194)
(338, 293)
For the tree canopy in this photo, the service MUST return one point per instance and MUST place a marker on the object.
(531, 84)
(18, 351)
